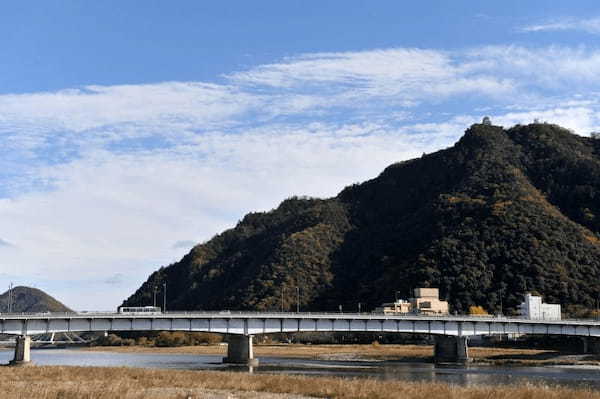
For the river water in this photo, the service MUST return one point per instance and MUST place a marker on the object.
(385, 370)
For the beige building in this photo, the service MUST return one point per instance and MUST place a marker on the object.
(400, 306)
(425, 301)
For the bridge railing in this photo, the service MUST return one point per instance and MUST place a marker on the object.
(226, 313)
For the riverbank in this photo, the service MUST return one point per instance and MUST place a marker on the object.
(53, 382)
(400, 353)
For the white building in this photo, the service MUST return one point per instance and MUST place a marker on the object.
(533, 308)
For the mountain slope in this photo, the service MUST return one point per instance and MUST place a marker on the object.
(500, 213)
(26, 299)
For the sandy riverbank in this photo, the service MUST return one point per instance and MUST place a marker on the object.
(129, 383)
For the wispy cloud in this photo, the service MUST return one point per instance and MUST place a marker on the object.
(185, 244)
(537, 72)
(115, 279)
(589, 25)
(4, 243)
(81, 110)
(412, 74)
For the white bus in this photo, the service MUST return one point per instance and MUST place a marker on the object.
(139, 309)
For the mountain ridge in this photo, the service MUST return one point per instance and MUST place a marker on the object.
(502, 212)
(28, 299)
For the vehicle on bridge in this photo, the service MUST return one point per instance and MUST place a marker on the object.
(140, 310)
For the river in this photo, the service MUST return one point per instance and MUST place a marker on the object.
(385, 370)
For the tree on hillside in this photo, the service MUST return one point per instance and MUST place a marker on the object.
(477, 311)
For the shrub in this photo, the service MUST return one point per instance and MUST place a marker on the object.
(477, 310)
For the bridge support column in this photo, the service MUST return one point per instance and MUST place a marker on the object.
(240, 350)
(450, 349)
(593, 345)
(587, 345)
(22, 351)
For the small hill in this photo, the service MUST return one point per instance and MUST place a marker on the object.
(26, 299)
(501, 213)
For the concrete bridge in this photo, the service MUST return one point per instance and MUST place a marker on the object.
(451, 332)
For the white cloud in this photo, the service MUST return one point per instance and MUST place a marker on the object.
(184, 244)
(588, 25)
(411, 73)
(537, 70)
(173, 103)
(349, 67)
(115, 279)
(579, 119)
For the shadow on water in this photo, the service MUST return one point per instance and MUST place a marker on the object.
(548, 355)
(427, 372)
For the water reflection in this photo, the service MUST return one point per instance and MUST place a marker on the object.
(467, 375)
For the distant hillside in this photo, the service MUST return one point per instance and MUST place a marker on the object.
(27, 299)
(500, 213)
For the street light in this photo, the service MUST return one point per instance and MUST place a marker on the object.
(10, 297)
(282, 291)
(359, 307)
(155, 291)
(164, 297)
(297, 299)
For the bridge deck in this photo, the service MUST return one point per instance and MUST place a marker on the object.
(248, 323)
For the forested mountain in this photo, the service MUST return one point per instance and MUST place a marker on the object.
(26, 299)
(500, 213)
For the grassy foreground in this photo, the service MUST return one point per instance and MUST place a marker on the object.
(54, 382)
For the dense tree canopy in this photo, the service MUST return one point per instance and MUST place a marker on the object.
(500, 213)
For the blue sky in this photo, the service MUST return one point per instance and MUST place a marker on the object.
(131, 130)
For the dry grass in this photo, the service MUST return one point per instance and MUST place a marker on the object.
(129, 383)
(381, 352)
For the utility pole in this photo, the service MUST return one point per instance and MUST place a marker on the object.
(282, 290)
(155, 290)
(297, 299)
(164, 297)
(10, 298)
(359, 307)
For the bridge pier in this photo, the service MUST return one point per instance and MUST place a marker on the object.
(240, 350)
(588, 345)
(22, 351)
(593, 345)
(451, 349)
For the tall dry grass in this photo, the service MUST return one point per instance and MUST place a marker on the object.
(103, 383)
(316, 351)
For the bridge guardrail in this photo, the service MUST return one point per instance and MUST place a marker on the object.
(287, 314)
